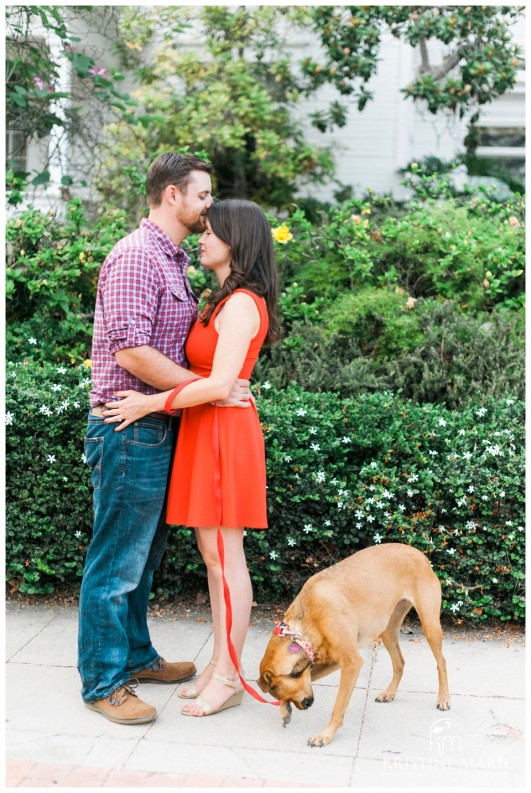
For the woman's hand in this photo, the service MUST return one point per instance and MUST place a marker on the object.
(132, 407)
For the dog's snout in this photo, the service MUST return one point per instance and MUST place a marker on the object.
(307, 702)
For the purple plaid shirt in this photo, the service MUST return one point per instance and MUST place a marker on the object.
(144, 297)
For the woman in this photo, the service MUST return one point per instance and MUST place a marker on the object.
(218, 477)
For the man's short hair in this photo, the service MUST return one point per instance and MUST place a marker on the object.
(171, 168)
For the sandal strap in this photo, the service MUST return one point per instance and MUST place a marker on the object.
(226, 680)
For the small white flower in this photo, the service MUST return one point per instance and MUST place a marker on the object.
(456, 532)
(509, 401)
(340, 505)
(315, 447)
(77, 534)
(433, 453)
(508, 523)
(377, 537)
(320, 477)
(387, 514)
(470, 524)
(461, 502)
(288, 458)
(442, 423)
(307, 528)
(484, 498)
(273, 555)
(481, 411)
(358, 525)
(328, 523)
(461, 432)
(455, 607)
(266, 385)
(345, 439)
(450, 551)
(333, 481)
(495, 451)
(32, 340)
(471, 488)
(413, 478)
(370, 518)
(410, 493)
(76, 404)
(358, 513)
(300, 412)
(61, 369)
(467, 455)
(372, 487)
(369, 500)
(291, 542)
(401, 507)
(84, 458)
(502, 494)
(51, 458)
(56, 387)
(494, 580)
(313, 431)
(65, 479)
(374, 465)
(9, 418)
(387, 494)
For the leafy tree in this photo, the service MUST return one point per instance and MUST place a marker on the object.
(479, 63)
(232, 98)
(35, 105)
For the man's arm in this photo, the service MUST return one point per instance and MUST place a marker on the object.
(159, 371)
(152, 367)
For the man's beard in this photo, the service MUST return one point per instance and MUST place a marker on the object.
(196, 226)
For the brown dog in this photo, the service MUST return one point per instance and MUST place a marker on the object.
(343, 608)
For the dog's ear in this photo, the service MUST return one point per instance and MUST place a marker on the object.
(264, 681)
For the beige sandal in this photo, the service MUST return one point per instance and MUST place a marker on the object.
(192, 692)
(231, 702)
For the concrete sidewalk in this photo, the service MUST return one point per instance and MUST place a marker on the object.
(53, 741)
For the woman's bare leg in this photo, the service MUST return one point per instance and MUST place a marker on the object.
(239, 582)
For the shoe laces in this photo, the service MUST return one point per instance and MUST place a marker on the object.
(120, 694)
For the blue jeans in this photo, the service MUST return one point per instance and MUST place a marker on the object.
(130, 471)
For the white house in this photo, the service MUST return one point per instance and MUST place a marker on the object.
(369, 150)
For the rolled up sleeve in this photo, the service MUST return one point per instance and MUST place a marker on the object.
(130, 297)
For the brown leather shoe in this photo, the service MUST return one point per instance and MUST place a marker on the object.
(124, 707)
(164, 672)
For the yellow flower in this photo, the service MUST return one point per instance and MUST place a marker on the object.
(366, 211)
(81, 257)
(282, 234)
(87, 363)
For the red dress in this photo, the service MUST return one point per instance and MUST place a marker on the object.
(219, 474)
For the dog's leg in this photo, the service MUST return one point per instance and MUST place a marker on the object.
(350, 665)
(391, 640)
(428, 608)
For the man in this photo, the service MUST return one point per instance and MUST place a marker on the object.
(144, 310)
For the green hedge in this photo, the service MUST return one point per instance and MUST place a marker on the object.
(342, 474)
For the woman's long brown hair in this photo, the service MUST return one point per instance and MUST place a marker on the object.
(243, 226)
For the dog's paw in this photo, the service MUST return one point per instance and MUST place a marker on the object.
(384, 696)
(285, 713)
(320, 740)
(443, 704)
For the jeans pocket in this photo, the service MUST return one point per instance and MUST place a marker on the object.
(94, 454)
(148, 433)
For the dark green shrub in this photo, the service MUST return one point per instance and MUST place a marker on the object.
(434, 352)
(51, 280)
(342, 474)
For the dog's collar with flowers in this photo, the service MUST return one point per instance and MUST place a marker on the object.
(283, 629)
